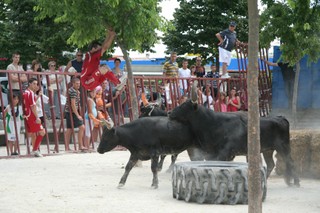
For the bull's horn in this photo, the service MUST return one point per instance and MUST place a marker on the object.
(107, 123)
(103, 122)
(110, 123)
(144, 99)
(194, 92)
(159, 101)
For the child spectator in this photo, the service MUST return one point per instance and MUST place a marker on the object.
(207, 99)
(11, 111)
(213, 74)
(101, 111)
(220, 105)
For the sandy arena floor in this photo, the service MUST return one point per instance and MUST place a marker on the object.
(88, 183)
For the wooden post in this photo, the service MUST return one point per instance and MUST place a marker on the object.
(254, 176)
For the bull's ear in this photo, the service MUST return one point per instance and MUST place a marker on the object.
(103, 123)
(107, 123)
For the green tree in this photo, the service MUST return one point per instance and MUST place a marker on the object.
(33, 39)
(196, 22)
(4, 35)
(297, 24)
(134, 21)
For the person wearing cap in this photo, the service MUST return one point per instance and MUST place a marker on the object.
(227, 41)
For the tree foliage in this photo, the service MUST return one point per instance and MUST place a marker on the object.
(196, 22)
(297, 24)
(33, 39)
(134, 21)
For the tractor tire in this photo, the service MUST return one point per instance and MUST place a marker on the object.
(214, 182)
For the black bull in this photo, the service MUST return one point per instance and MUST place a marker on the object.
(224, 135)
(155, 110)
(147, 138)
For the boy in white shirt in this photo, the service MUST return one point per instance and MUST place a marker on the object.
(184, 72)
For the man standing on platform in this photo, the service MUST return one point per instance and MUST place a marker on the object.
(227, 41)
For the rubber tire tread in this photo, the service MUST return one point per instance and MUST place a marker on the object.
(214, 182)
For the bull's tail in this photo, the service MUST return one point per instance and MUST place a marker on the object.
(290, 172)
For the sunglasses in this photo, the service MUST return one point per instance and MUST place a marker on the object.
(52, 65)
(80, 55)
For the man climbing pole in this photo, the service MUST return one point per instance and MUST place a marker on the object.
(92, 74)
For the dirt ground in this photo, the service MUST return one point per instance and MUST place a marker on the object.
(87, 182)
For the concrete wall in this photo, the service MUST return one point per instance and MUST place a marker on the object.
(309, 85)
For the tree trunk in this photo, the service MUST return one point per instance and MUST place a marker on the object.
(254, 159)
(295, 95)
(132, 91)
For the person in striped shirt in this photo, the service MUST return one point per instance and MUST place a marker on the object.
(171, 68)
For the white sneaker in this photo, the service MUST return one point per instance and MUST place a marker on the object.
(226, 76)
(37, 154)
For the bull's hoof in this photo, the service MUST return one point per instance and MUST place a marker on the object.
(154, 186)
(215, 182)
(294, 184)
(297, 183)
(120, 186)
(288, 181)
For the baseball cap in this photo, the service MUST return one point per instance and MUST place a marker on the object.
(233, 23)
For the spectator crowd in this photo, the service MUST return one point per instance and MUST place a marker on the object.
(84, 92)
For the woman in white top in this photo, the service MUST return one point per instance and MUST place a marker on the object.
(54, 88)
(90, 116)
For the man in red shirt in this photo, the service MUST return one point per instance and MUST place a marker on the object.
(33, 122)
(92, 74)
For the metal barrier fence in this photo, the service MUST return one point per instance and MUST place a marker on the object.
(52, 104)
(117, 104)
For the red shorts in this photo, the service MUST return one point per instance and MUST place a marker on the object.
(91, 76)
(95, 79)
(33, 127)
